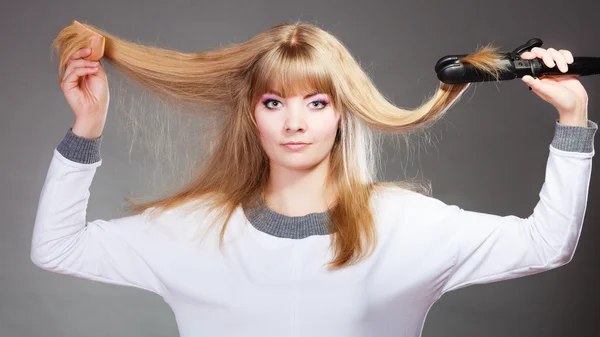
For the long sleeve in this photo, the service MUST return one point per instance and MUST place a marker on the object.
(489, 248)
(117, 251)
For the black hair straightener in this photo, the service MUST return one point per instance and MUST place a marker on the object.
(451, 71)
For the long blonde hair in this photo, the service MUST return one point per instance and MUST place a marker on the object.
(293, 58)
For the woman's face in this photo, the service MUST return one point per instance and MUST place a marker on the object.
(310, 119)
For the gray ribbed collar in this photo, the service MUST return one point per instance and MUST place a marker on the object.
(292, 227)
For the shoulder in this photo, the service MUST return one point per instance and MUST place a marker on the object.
(389, 203)
(178, 223)
(416, 208)
(397, 196)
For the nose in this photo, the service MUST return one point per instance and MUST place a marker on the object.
(295, 118)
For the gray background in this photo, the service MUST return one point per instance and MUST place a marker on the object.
(488, 154)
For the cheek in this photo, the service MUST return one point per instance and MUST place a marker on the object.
(265, 129)
(268, 131)
(328, 128)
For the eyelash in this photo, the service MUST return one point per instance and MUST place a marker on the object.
(266, 102)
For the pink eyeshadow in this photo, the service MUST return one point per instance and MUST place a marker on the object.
(321, 97)
(267, 96)
(316, 97)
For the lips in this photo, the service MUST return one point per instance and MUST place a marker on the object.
(295, 146)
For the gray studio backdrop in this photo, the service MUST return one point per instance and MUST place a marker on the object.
(488, 154)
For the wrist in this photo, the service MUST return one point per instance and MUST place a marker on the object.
(575, 117)
(573, 121)
(90, 130)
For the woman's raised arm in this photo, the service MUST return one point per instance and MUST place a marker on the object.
(120, 251)
(489, 248)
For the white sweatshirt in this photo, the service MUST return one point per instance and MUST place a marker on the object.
(271, 286)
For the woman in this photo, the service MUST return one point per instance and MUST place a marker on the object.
(310, 244)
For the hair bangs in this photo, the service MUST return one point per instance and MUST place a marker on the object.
(293, 71)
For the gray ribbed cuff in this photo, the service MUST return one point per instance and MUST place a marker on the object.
(80, 149)
(575, 138)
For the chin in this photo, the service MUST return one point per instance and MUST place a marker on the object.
(301, 164)
(298, 161)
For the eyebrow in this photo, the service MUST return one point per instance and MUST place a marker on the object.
(305, 97)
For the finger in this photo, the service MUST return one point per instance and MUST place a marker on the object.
(568, 55)
(84, 64)
(73, 79)
(528, 55)
(537, 86)
(536, 50)
(559, 59)
(80, 53)
(528, 79)
(534, 83)
(74, 64)
(544, 55)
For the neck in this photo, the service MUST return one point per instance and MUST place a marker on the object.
(299, 192)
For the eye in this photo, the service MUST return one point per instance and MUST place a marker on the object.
(267, 101)
(324, 103)
(278, 104)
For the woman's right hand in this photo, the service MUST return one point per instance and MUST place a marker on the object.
(85, 87)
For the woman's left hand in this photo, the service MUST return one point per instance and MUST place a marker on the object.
(564, 92)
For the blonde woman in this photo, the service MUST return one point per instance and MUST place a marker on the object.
(298, 239)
